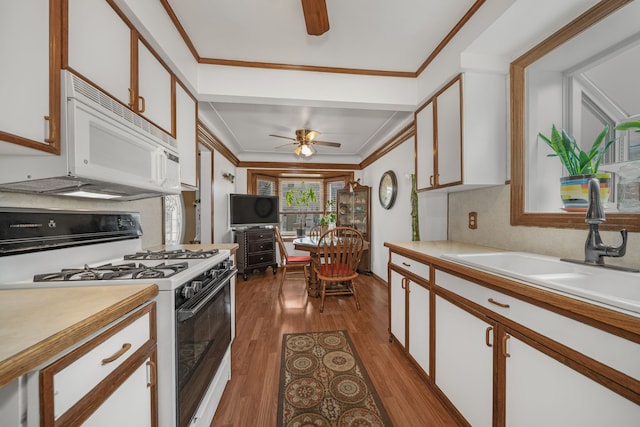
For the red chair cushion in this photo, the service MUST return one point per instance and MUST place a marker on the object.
(299, 258)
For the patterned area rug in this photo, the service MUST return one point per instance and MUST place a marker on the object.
(323, 383)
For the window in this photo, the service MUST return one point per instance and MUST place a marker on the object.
(325, 186)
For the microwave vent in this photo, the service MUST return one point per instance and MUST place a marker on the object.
(106, 102)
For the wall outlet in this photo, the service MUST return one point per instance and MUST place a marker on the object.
(473, 220)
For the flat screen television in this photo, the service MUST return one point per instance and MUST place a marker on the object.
(248, 210)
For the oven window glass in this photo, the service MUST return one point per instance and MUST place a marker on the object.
(202, 341)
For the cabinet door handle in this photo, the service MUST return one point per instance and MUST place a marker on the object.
(50, 130)
(406, 264)
(499, 304)
(151, 373)
(505, 338)
(486, 336)
(431, 180)
(143, 106)
(403, 283)
(125, 347)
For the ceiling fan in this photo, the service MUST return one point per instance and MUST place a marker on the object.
(304, 142)
(315, 16)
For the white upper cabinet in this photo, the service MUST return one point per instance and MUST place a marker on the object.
(449, 142)
(99, 47)
(24, 86)
(461, 134)
(154, 89)
(186, 134)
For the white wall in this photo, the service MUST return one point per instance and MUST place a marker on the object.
(393, 224)
(221, 189)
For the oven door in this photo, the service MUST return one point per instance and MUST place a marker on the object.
(203, 334)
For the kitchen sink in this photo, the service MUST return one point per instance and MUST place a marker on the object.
(610, 287)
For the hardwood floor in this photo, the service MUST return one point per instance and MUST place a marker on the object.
(262, 316)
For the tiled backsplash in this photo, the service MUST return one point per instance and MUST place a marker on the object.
(494, 229)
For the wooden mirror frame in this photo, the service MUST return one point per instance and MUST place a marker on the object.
(518, 140)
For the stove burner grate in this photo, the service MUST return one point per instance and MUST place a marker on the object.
(113, 272)
(173, 254)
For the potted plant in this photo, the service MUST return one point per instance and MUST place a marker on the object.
(581, 166)
(329, 216)
(300, 197)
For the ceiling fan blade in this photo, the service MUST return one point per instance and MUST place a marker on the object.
(315, 16)
(285, 137)
(289, 144)
(327, 143)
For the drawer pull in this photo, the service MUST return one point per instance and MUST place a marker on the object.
(504, 346)
(486, 336)
(125, 347)
(406, 264)
(499, 304)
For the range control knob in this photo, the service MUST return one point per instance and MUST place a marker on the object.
(196, 285)
(188, 291)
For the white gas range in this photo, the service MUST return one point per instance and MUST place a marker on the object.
(195, 307)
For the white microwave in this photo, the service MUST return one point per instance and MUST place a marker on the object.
(106, 149)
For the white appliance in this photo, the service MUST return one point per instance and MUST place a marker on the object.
(49, 248)
(106, 151)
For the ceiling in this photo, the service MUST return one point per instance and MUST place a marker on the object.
(366, 37)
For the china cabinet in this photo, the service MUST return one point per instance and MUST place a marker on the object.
(354, 210)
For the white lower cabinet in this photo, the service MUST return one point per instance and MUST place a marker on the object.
(418, 324)
(129, 405)
(109, 380)
(398, 307)
(410, 296)
(464, 361)
(540, 391)
(495, 375)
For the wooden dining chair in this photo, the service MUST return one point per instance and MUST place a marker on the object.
(339, 251)
(315, 233)
(291, 262)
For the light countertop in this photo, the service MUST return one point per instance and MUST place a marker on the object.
(38, 324)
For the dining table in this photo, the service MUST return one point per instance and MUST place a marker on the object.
(310, 245)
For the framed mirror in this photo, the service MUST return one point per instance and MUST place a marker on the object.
(574, 80)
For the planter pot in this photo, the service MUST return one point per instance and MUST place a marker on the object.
(574, 190)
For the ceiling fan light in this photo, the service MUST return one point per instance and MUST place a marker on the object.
(298, 150)
(306, 150)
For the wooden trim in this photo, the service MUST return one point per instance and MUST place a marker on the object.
(467, 16)
(180, 29)
(313, 68)
(395, 141)
(293, 166)
(174, 107)
(55, 63)
(615, 221)
(209, 140)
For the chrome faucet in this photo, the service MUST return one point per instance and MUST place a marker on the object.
(594, 249)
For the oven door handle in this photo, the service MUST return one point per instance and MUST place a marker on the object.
(187, 313)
